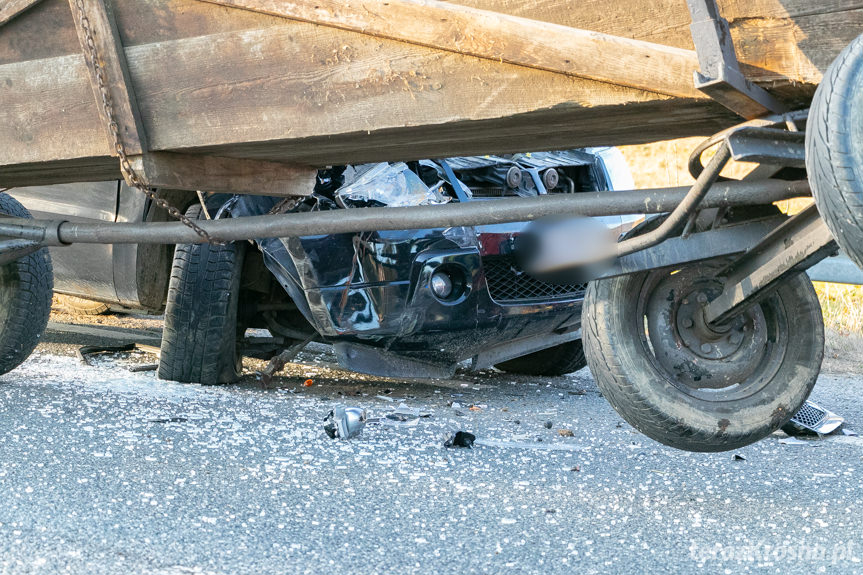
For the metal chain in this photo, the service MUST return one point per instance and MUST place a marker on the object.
(107, 106)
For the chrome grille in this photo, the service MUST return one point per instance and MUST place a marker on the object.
(809, 416)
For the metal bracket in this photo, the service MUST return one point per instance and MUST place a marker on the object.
(720, 76)
(796, 245)
(768, 146)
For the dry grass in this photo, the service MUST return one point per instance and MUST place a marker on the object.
(665, 164)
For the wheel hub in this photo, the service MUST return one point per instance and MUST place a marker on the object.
(703, 340)
(714, 362)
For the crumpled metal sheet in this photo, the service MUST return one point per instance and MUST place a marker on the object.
(384, 184)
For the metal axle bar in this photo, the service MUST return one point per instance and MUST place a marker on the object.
(588, 204)
(802, 241)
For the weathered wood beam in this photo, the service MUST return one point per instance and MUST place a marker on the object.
(501, 38)
(112, 74)
(315, 95)
(11, 8)
(231, 175)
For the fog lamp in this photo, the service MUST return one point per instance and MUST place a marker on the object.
(441, 285)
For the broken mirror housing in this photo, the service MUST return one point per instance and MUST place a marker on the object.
(345, 422)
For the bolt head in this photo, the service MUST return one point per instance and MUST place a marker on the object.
(736, 338)
(702, 298)
(706, 348)
(687, 322)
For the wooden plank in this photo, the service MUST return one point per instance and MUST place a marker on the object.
(48, 112)
(12, 8)
(309, 94)
(776, 40)
(802, 36)
(501, 38)
(91, 169)
(214, 174)
(300, 81)
(44, 31)
(95, 16)
(267, 88)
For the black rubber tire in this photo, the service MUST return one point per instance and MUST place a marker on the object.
(79, 306)
(558, 360)
(834, 149)
(199, 340)
(26, 290)
(628, 375)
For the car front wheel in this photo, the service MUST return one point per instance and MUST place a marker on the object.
(199, 340)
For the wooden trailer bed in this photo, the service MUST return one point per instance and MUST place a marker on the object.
(374, 80)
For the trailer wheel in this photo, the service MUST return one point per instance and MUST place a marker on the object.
(834, 149)
(558, 360)
(692, 387)
(26, 287)
(199, 340)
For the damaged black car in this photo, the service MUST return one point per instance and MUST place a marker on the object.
(414, 303)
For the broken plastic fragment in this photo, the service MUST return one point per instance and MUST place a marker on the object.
(404, 413)
(460, 439)
(812, 419)
(345, 422)
(795, 441)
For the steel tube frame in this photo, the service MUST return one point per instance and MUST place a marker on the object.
(589, 204)
(684, 209)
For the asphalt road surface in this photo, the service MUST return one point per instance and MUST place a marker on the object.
(107, 471)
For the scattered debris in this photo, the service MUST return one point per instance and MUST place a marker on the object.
(345, 422)
(525, 445)
(308, 383)
(144, 367)
(385, 398)
(86, 350)
(460, 439)
(565, 433)
(849, 433)
(812, 419)
(475, 408)
(548, 425)
(738, 458)
(575, 468)
(404, 413)
(278, 362)
(170, 420)
(795, 441)
(151, 349)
